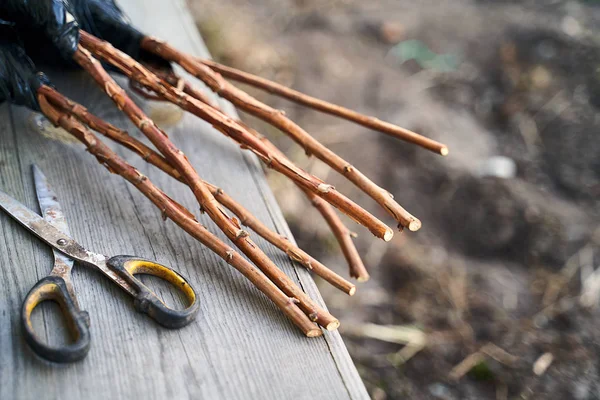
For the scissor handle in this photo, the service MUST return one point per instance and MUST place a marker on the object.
(54, 288)
(145, 300)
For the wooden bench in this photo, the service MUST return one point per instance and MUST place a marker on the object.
(240, 346)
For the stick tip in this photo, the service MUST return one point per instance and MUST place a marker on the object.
(414, 225)
(444, 151)
(352, 291)
(315, 332)
(388, 235)
(333, 325)
(363, 278)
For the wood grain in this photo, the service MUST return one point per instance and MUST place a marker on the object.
(240, 347)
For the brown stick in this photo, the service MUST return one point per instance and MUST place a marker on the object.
(283, 243)
(343, 236)
(179, 215)
(326, 107)
(237, 132)
(182, 84)
(206, 200)
(109, 130)
(174, 80)
(139, 90)
(278, 119)
(245, 217)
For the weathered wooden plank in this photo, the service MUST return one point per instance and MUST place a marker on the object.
(240, 347)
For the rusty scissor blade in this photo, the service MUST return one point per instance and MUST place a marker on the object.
(52, 213)
(46, 231)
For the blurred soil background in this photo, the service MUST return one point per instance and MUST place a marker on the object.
(496, 296)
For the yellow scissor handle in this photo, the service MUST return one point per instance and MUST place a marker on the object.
(146, 300)
(54, 288)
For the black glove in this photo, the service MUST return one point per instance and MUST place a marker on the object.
(105, 20)
(43, 24)
(19, 79)
(48, 26)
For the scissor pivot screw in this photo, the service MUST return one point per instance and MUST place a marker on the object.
(61, 242)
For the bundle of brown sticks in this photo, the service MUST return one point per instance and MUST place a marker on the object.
(165, 85)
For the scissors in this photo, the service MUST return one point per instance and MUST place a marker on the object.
(57, 286)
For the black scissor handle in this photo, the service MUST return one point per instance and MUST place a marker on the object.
(54, 288)
(145, 300)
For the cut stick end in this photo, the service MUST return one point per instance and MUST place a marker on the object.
(389, 234)
(363, 278)
(333, 325)
(352, 291)
(316, 332)
(414, 225)
(444, 151)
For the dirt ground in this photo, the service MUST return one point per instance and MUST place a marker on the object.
(497, 294)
